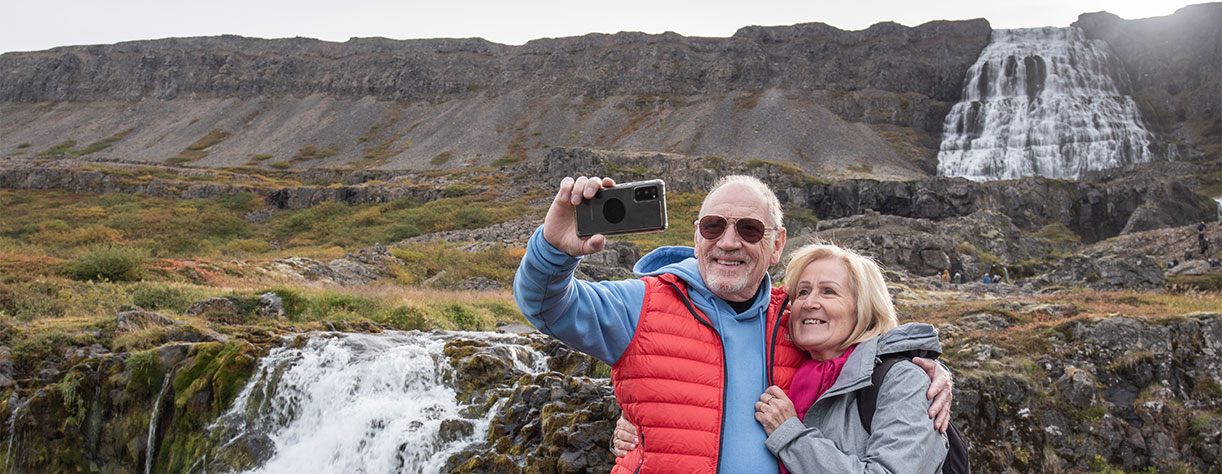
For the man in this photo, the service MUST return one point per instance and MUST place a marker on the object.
(692, 342)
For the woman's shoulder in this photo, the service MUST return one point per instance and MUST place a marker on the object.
(904, 374)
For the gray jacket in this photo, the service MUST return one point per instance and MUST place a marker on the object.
(904, 438)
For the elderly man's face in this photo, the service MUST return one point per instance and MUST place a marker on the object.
(731, 266)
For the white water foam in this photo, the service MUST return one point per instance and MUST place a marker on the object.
(358, 403)
(1042, 102)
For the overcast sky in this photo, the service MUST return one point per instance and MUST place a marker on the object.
(31, 25)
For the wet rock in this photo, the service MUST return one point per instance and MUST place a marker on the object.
(453, 429)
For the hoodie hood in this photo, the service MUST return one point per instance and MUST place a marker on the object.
(681, 262)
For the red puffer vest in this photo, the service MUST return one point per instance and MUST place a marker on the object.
(669, 382)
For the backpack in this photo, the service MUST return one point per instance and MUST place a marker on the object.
(867, 402)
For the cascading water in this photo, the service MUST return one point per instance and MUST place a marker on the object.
(1042, 102)
(1219, 207)
(360, 403)
(151, 445)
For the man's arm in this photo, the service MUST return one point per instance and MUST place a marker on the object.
(596, 318)
(939, 390)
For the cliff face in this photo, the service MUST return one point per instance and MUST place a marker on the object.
(1175, 66)
(810, 94)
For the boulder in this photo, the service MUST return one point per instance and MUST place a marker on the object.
(217, 309)
(271, 306)
(137, 319)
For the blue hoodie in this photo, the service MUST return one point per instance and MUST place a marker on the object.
(599, 318)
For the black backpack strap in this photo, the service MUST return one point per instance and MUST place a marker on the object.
(867, 398)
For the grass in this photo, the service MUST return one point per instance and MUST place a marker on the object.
(67, 225)
(198, 150)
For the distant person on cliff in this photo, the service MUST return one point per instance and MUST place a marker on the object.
(839, 311)
(692, 341)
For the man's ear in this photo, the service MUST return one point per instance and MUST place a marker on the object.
(778, 247)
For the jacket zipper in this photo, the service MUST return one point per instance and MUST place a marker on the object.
(725, 376)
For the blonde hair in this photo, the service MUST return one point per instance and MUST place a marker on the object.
(875, 312)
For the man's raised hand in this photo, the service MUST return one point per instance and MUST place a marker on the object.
(560, 225)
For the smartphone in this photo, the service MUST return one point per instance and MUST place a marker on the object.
(631, 208)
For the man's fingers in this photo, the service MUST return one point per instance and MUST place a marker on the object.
(942, 421)
(579, 186)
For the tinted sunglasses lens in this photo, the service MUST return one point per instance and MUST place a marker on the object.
(711, 227)
(751, 230)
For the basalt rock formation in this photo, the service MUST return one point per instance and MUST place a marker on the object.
(809, 94)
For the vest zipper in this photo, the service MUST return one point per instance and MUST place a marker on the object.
(776, 330)
(725, 376)
(640, 465)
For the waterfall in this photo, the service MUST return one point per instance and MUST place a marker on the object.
(1219, 207)
(1042, 102)
(362, 403)
(150, 448)
(12, 424)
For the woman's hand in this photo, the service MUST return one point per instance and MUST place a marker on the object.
(773, 409)
(939, 390)
(624, 438)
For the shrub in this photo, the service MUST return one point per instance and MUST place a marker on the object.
(294, 302)
(59, 150)
(441, 158)
(457, 190)
(161, 297)
(508, 160)
(462, 316)
(111, 263)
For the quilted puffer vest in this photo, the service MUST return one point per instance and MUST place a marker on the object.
(670, 381)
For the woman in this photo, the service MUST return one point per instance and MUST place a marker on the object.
(839, 308)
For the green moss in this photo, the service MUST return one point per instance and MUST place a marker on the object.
(204, 387)
(146, 374)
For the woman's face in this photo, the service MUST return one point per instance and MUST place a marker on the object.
(824, 309)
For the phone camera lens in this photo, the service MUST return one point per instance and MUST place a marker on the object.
(647, 193)
(613, 211)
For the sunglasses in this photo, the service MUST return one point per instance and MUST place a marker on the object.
(749, 229)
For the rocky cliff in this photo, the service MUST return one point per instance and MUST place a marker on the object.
(1119, 392)
(810, 94)
(1174, 64)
